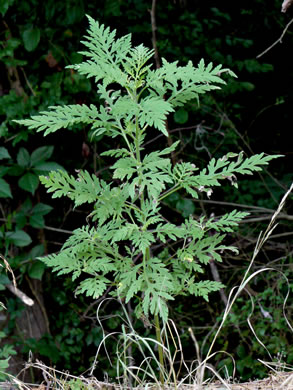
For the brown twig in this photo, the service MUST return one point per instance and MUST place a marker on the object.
(21, 295)
(277, 41)
(84, 315)
(158, 65)
(154, 37)
(170, 132)
(216, 277)
(12, 71)
(41, 305)
(27, 82)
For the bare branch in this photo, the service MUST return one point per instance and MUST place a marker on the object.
(21, 295)
(154, 38)
(278, 40)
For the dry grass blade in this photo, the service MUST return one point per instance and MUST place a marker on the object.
(234, 293)
(143, 375)
(8, 268)
(12, 286)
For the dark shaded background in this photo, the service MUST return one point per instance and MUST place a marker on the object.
(252, 113)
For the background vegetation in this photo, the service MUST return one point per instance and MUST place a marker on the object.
(252, 113)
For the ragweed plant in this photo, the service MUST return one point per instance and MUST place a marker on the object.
(118, 246)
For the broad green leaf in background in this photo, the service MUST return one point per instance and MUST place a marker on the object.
(29, 182)
(48, 349)
(31, 38)
(42, 209)
(4, 153)
(3, 170)
(20, 217)
(5, 191)
(4, 280)
(36, 219)
(181, 116)
(20, 220)
(19, 238)
(23, 158)
(3, 365)
(37, 251)
(41, 154)
(48, 166)
(4, 5)
(15, 170)
(37, 270)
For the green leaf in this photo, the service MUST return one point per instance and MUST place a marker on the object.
(31, 38)
(46, 347)
(85, 188)
(142, 239)
(5, 191)
(4, 5)
(41, 154)
(23, 158)
(92, 287)
(46, 167)
(227, 221)
(186, 207)
(19, 238)
(37, 270)
(4, 280)
(15, 170)
(105, 54)
(61, 117)
(124, 167)
(37, 251)
(29, 182)
(4, 153)
(204, 287)
(154, 112)
(42, 209)
(7, 350)
(3, 365)
(37, 221)
(4, 170)
(181, 116)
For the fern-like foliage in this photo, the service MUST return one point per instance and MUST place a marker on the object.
(61, 117)
(185, 83)
(217, 170)
(84, 188)
(227, 222)
(123, 243)
(105, 54)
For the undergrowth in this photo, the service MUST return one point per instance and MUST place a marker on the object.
(129, 247)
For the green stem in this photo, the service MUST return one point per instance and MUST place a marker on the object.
(157, 322)
(169, 192)
(146, 257)
(120, 127)
(133, 207)
(160, 347)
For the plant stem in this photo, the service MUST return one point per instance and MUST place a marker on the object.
(147, 255)
(160, 348)
(170, 191)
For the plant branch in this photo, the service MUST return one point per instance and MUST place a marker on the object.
(160, 349)
(154, 38)
(170, 132)
(277, 41)
(170, 191)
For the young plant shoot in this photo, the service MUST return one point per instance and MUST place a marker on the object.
(118, 247)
